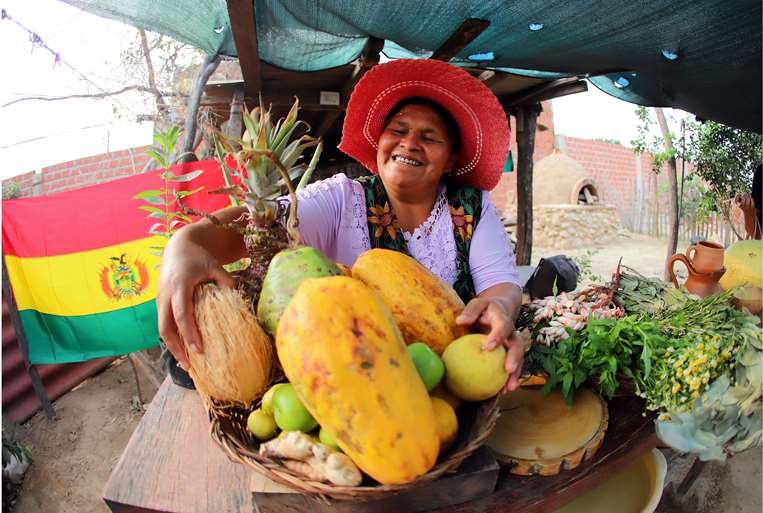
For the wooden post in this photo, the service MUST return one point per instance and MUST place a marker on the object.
(207, 68)
(37, 385)
(527, 122)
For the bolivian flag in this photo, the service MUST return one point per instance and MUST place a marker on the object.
(83, 268)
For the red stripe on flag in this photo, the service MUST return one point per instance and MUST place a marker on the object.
(98, 215)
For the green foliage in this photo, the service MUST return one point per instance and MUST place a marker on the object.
(650, 140)
(15, 449)
(604, 349)
(269, 154)
(11, 190)
(159, 202)
(724, 158)
(585, 264)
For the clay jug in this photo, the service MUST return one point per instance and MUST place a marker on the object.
(701, 284)
(705, 256)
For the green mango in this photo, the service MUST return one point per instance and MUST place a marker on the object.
(288, 269)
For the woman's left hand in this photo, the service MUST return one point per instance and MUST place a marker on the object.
(493, 316)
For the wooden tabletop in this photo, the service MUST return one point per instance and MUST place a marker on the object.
(171, 464)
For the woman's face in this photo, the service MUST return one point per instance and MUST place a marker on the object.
(414, 149)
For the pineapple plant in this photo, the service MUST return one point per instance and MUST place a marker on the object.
(266, 159)
(238, 362)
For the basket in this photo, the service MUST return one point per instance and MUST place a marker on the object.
(228, 430)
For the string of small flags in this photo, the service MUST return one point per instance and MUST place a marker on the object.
(34, 38)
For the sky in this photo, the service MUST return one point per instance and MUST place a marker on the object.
(35, 134)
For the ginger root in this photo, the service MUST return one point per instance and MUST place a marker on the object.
(312, 459)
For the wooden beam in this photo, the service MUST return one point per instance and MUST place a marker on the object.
(244, 27)
(465, 34)
(527, 122)
(530, 96)
(369, 58)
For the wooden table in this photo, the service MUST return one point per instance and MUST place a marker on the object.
(171, 464)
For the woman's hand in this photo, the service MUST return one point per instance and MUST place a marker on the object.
(185, 265)
(493, 312)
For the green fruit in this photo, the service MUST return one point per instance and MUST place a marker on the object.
(327, 439)
(267, 399)
(261, 424)
(289, 412)
(428, 364)
(471, 373)
(288, 269)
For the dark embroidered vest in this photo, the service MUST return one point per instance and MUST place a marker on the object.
(465, 204)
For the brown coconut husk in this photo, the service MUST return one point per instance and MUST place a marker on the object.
(238, 359)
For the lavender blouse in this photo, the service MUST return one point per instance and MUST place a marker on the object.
(332, 218)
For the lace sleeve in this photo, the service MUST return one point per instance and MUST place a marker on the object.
(491, 257)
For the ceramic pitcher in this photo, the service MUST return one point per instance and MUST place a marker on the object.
(707, 256)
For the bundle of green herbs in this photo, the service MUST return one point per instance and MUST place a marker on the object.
(672, 345)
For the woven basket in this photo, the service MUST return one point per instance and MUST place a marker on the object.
(228, 429)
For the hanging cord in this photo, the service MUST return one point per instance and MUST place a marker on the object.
(37, 42)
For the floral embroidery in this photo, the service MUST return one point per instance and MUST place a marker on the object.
(383, 219)
(462, 223)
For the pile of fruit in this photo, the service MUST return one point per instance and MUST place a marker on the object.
(360, 396)
(369, 364)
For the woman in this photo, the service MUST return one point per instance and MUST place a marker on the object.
(435, 139)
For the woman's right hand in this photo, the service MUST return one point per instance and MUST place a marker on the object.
(185, 265)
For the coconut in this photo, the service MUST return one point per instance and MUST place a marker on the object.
(237, 362)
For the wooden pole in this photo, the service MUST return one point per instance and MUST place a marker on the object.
(37, 385)
(191, 117)
(527, 122)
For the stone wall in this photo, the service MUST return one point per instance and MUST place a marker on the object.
(574, 226)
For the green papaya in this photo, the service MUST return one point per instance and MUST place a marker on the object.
(288, 269)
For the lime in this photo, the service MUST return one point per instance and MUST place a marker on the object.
(261, 424)
(428, 364)
(327, 439)
(289, 412)
(267, 399)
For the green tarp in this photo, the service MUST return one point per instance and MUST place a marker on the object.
(701, 56)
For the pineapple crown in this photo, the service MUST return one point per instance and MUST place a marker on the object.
(266, 156)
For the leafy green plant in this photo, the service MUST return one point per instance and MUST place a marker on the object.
(585, 264)
(11, 190)
(160, 202)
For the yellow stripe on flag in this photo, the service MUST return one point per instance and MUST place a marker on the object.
(89, 282)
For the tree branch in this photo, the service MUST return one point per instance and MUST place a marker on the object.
(150, 67)
(142, 89)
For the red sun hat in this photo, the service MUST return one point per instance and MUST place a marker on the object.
(481, 119)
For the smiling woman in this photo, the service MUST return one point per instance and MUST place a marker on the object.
(435, 140)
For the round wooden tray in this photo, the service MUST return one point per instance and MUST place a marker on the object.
(542, 435)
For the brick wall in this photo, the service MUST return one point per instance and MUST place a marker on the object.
(505, 194)
(82, 172)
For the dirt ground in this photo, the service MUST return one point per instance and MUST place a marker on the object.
(74, 455)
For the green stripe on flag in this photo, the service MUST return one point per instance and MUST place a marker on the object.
(64, 339)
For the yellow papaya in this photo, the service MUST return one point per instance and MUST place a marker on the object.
(344, 355)
(424, 307)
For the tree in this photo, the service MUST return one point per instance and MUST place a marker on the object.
(152, 77)
(663, 151)
(724, 158)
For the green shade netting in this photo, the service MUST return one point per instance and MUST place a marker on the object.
(701, 56)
